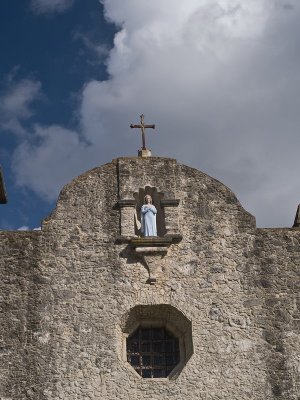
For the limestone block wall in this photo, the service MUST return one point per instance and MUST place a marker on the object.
(22, 354)
(272, 278)
(69, 290)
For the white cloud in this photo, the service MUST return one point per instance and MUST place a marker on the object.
(26, 228)
(46, 167)
(23, 228)
(50, 6)
(16, 104)
(220, 78)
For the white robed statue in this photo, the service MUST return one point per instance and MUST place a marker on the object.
(148, 217)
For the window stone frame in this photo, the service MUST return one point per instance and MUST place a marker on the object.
(159, 316)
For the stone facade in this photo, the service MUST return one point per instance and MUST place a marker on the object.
(73, 292)
(3, 198)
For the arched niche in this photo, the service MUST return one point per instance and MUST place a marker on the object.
(156, 201)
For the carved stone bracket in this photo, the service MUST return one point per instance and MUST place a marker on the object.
(152, 250)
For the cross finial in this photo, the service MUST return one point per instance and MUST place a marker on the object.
(142, 126)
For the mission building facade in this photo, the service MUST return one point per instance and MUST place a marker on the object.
(207, 309)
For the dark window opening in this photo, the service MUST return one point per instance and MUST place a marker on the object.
(153, 352)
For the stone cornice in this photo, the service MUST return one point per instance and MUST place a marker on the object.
(126, 203)
(170, 202)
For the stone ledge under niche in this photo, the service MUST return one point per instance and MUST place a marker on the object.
(150, 241)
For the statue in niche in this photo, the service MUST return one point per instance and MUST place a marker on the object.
(148, 217)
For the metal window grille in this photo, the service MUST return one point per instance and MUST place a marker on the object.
(153, 352)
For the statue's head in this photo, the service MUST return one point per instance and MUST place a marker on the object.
(148, 199)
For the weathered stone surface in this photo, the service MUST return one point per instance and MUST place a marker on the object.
(67, 290)
(3, 198)
(297, 218)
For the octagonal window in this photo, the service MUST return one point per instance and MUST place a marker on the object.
(156, 342)
(153, 352)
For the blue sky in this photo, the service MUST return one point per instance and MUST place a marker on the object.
(59, 50)
(219, 78)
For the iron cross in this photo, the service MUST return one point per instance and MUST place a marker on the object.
(142, 126)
